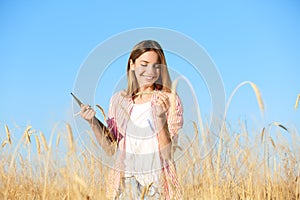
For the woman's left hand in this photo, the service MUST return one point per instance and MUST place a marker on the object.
(162, 104)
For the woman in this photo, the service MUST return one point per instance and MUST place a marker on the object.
(144, 120)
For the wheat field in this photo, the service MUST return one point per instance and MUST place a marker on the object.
(256, 164)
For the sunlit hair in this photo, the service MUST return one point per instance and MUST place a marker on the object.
(163, 82)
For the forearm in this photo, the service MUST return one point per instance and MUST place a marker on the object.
(164, 139)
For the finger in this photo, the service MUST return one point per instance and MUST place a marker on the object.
(164, 101)
(87, 112)
(90, 114)
(84, 114)
(83, 110)
(167, 102)
(84, 107)
(163, 96)
(162, 104)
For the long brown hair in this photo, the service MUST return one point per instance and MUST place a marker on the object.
(164, 80)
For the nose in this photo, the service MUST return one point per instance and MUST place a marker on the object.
(151, 70)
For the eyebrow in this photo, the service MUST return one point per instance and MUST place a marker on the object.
(148, 62)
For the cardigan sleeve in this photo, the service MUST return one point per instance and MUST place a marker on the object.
(175, 117)
(112, 118)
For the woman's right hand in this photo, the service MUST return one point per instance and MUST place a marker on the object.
(88, 113)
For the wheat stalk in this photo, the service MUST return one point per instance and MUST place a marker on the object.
(27, 134)
(241, 178)
(8, 141)
(57, 140)
(44, 141)
(297, 101)
(12, 163)
(258, 96)
(4, 143)
(38, 144)
(102, 111)
(261, 106)
(70, 138)
(8, 134)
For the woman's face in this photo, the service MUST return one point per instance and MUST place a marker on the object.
(146, 69)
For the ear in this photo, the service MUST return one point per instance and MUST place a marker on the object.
(132, 66)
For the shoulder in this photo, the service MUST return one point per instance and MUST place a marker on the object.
(119, 97)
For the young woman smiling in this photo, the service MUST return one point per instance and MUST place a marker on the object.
(144, 119)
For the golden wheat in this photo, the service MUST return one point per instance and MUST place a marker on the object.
(240, 173)
(70, 138)
(27, 134)
(241, 168)
(38, 145)
(8, 134)
(44, 141)
(297, 101)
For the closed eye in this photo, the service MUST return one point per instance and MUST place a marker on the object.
(157, 66)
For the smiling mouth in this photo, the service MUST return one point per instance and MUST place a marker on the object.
(149, 77)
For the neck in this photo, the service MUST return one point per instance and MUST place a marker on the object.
(144, 94)
(146, 89)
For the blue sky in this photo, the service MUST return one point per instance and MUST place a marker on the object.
(43, 44)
